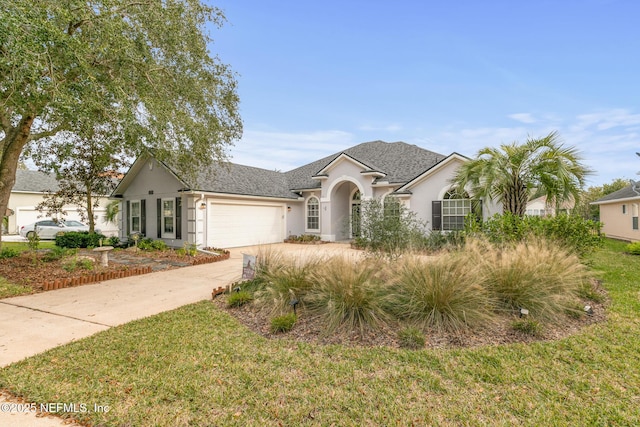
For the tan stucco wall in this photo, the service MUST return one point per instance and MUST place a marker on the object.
(617, 224)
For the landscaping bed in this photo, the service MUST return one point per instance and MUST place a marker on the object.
(311, 329)
(33, 270)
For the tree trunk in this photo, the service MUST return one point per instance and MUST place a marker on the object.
(515, 201)
(14, 141)
(92, 225)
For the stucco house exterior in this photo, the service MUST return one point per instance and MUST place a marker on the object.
(236, 205)
(619, 213)
(540, 207)
(29, 191)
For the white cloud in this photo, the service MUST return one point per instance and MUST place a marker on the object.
(607, 141)
(394, 127)
(608, 119)
(523, 117)
(285, 151)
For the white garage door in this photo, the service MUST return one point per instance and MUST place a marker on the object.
(233, 225)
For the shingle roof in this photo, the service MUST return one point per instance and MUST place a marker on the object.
(35, 181)
(401, 162)
(246, 180)
(624, 193)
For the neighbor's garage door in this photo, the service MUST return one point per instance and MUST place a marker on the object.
(233, 225)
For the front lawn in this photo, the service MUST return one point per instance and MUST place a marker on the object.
(199, 366)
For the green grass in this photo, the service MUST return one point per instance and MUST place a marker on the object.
(24, 246)
(198, 366)
(10, 290)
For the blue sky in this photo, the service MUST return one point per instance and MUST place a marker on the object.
(318, 77)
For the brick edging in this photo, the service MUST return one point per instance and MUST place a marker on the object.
(67, 282)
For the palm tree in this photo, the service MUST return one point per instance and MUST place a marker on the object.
(512, 173)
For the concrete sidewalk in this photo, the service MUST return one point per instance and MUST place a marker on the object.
(32, 324)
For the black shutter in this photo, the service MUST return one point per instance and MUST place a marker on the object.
(436, 215)
(178, 217)
(476, 207)
(159, 212)
(143, 217)
(126, 218)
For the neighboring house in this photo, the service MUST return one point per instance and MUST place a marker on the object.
(29, 191)
(539, 207)
(619, 214)
(235, 205)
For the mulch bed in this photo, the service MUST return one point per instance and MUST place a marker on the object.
(310, 329)
(31, 269)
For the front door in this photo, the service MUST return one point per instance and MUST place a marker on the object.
(355, 215)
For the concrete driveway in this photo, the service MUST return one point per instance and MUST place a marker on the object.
(31, 324)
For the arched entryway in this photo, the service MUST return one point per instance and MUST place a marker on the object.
(345, 199)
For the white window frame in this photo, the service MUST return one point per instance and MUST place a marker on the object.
(454, 208)
(165, 234)
(308, 215)
(131, 216)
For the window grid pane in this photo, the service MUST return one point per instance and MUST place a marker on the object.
(313, 214)
(454, 212)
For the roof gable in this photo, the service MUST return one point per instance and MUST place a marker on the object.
(399, 161)
(430, 171)
(137, 166)
(342, 157)
(622, 194)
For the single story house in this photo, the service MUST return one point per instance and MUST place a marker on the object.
(238, 205)
(540, 207)
(29, 191)
(619, 213)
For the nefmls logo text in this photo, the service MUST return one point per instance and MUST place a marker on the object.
(63, 407)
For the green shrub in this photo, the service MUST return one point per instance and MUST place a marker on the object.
(348, 295)
(77, 263)
(304, 238)
(57, 253)
(389, 227)
(33, 241)
(444, 293)
(634, 248)
(7, 252)
(237, 299)
(411, 337)
(283, 323)
(148, 244)
(572, 232)
(79, 239)
(114, 241)
(528, 327)
(536, 275)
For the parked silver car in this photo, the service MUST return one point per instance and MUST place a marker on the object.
(47, 229)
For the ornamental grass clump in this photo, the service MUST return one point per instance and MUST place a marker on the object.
(535, 275)
(348, 295)
(443, 293)
(285, 280)
(284, 323)
(240, 298)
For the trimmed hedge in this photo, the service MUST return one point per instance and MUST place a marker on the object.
(80, 239)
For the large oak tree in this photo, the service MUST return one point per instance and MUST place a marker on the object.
(142, 67)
